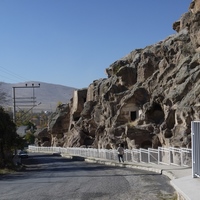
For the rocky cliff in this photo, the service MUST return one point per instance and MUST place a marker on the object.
(148, 100)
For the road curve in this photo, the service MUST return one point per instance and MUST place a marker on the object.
(51, 177)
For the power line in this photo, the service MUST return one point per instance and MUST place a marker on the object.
(8, 78)
(6, 71)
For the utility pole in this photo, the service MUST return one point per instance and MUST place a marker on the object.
(23, 101)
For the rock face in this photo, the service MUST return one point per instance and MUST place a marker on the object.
(43, 138)
(148, 100)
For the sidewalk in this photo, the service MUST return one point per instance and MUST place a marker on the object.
(187, 188)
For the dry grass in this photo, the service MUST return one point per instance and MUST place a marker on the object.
(6, 171)
(11, 169)
(168, 196)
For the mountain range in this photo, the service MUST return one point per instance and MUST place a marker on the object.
(46, 95)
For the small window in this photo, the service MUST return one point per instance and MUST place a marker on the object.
(133, 115)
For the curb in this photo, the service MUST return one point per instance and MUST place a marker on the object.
(169, 174)
(159, 171)
(180, 193)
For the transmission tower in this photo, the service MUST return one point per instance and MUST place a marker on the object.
(29, 102)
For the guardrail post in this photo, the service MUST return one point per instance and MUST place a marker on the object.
(148, 156)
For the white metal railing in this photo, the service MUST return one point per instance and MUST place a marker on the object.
(186, 157)
(153, 156)
(195, 130)
(163, 155)
(168, 156)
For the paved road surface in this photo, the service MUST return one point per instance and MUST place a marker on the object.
(51, 177)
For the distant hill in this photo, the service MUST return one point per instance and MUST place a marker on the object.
(47, 95)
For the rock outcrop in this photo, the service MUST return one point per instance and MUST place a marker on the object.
(148, 100)
(42, 137)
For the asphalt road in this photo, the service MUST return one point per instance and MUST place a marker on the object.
(51, 177)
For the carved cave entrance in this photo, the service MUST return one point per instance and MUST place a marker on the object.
(133, 115)
(146, 145)
(45, 139)
(155, 114)
(129, 113)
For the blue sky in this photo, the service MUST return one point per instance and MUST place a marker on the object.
(72, 42)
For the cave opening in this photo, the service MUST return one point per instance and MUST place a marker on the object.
(45, 139)
(133, 115)
(155, 114)
(146, 144)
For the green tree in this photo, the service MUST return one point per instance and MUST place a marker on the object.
(3, 96)
(30, 138)
(9, 139)
(30, 126)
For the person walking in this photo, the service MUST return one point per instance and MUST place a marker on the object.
(120, 152)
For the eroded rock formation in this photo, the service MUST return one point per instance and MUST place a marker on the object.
(148, 100)
(42, 137)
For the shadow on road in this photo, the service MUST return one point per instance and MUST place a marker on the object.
(41, 166)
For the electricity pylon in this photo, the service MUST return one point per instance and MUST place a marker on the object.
(24, 101)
